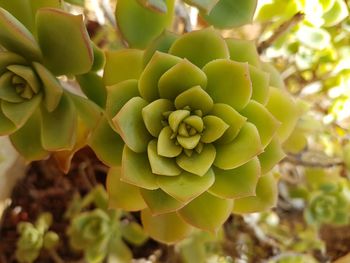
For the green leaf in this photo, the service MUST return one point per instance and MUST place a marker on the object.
(136, 170)
(19, 113)
(198, 163)
(159, 63)
(58, 129)
(166, 228)
(22, 10)
(231, 13)
(153, 117)
(9, 58)
(237, 183)
(167, 146)
(204, 5)
(272, 155)
(280, 99)
(243, 51)
(186, 186)
(315, 38)
(61, 57)
(160, 202)
(154, 5)
(266, 197)
(275, 77)
(263, 120)
(159, 164)
(130, 126)
(27, 140)
(16, 38)
(122, 65)
(241, 150)
(179, 78)
(232, 118)
(118, 95)
(229, 77)
(203, 101)
(200, 47)
(123, 195)
(6, 126)
(260, 84)
(52, 88)
(133, 233)
(214, 128)
(93, 87)
(131, 16)
(207, 212)
(338, 12)
(107, 144)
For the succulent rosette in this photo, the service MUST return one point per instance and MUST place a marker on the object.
(195, 129)
(329, 205)
(35, 110)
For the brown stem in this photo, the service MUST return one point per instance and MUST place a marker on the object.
(280, 31)
(298, 161)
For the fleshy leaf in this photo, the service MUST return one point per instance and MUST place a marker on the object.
(336, 14)
(159, 164)
(186, 186)
(280, 99)
(7, 92)
(260, 84)
(123, 195)
(198, 163)
(152, 115)
(62, 57)
(156, 67)
(232, 118)
(122, 65)
(160, 202)
(52, 88)
(107, 144)
(136, 170)
(6, 126)
(197, 213)
(272, 155)
(161, 44)
(263, 120)
(238, 182)
(231, 13)
(275, 77)
(202, 102)
(243, 51)
(266, 196)
(93, 87)
(226, 77)
(21, 9)
(9, 58)
(119, 94)
(27, 140)
(16, 38)
(132, 16)
(166, 228)
(130, 126)
(200, 47)
(181, 77)
(166, 145)
(241, 150)
(58, 129)
(19, 113)
(214, 128)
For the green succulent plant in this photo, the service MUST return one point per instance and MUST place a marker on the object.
(35, 110)
(35, 237)
(329, 205)
(194, 132)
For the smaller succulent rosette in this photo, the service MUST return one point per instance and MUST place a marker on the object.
(195, 129)
(329, 205)
(35, 110)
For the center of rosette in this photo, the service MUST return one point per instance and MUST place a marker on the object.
(186, 128)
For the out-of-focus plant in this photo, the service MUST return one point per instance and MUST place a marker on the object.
(180, 156)
(99, 232)
(35, 237)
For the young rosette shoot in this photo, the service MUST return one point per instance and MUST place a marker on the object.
(34, 238)
(35, 110)
(201, 127)
(330, 204)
